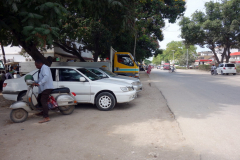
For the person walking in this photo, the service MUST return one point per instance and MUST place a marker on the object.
(45, 86)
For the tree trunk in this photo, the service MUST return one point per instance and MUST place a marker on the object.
(216, 57)
(228, 54)
(96, 54)
(3, 53)
(70, 50)
(224, 54)
(31, 49)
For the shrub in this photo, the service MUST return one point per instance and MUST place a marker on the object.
(205, 67)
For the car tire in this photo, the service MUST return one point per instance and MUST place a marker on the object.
(69, 111)
(105, 101)
(18, 115)
(227, 74)
(21, 95)
(234, 73)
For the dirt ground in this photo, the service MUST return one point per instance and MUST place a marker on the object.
(144, 129)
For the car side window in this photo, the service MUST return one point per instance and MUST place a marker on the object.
(69, 75)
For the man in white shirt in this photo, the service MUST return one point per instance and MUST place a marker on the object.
(45, 86)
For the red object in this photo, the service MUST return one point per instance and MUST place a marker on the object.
(235, 54)
(203, 60)
(74, 94)
(4, 84)
(149, 69)
(107, 58)
(52, 101)
(224, 68)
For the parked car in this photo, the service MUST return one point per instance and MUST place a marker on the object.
(103, 73)
(226, 68)
(88, 87)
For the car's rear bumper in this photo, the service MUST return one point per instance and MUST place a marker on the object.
(12, 97)
(126, 96)
(229, 71)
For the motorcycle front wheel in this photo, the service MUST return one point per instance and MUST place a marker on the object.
(18, 115)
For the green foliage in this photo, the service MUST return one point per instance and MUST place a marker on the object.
(219, 26)
(205, 67)
(180, 53)
(147, 62)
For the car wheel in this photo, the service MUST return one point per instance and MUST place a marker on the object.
(69, 111)
(234, 73)
(222, 73)
(226, 73)
(105, 101)
(18, 115)
(21, 95)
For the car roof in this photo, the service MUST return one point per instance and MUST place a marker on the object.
(74, 67)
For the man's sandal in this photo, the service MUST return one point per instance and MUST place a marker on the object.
(44, 120)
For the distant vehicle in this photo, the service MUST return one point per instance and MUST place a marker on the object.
(226, 68)
(166, 66)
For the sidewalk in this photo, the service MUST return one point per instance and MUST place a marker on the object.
(144, 129)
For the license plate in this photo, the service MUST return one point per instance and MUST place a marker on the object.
(229, 67)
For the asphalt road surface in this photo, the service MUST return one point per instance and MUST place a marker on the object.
(207, 109)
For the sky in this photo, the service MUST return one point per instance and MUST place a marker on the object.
(171, 31)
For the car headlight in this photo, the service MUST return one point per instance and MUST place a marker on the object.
(127, 89)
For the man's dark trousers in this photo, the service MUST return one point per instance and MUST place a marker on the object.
(42, 101)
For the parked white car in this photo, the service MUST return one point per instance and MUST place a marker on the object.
(88, 87)
(226, 68)
(103, 73)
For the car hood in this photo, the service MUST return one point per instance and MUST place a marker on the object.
(112, 81)
(126, 77)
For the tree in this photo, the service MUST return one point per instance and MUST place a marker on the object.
(150, 16)
(218, 27)
(147, 62)
(176, 49)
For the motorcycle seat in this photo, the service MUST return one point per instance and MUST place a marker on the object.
(61, 90)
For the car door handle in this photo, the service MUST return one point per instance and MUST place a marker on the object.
(61, 86)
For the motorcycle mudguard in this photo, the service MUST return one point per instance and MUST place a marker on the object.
(65, 100)
(21, 104)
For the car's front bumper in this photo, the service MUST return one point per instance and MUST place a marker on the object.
(126, 96)
(138, 88)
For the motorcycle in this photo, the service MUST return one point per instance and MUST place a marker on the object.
(214, 72)
(60, 99)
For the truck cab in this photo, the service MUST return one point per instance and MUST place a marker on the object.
(124, 64)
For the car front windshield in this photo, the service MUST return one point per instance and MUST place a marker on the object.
(89, 74)
(111, 74)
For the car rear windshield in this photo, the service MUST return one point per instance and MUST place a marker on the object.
(89, 74)
(229, 65)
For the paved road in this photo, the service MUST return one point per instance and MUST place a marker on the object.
(143, 129)
(207, 109)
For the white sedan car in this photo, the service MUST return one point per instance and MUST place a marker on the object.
(103, 73)
(88, 87)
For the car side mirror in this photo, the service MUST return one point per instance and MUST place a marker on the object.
(82, 79)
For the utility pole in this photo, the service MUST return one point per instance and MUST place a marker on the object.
(173, 56)
(187, 58)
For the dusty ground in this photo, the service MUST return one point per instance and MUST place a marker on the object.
(143, 129)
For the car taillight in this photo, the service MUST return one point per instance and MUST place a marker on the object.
(235, 67)
(74, 94)
(4, 84)
(224, 68)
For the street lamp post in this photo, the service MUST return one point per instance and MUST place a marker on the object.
(187, 58)
(173, 56)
